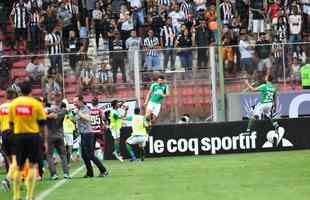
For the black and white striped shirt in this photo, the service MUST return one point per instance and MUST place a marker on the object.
(167, 35)
(34, 18)
(164, 2)
(20, 14)
(54, 40)
(150, 43)
(185, 7)
(226, 12)
(72, 8)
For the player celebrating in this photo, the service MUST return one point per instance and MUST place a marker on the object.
(7, 137)
(139, 134)
(26, 117)
(115, 127)
(267, 102)
(158, 91)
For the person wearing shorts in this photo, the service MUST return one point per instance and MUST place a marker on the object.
(115, 128)
(7, 138)
(27, 119)
(139, 134)
(158, 91)
(267, 102)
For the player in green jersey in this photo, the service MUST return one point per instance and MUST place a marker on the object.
(115, 127)
(139, 134)
(158, 91)
(267, 104)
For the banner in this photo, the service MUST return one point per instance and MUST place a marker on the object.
(220, 138)
(290, 104)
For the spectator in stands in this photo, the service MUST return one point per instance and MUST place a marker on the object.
(15, 85)
(202, 41)
(99, 22)
(226, 9)
(157, 21)
(53, 43)
(136, 7)
(151, 43)
(83, 30)
(118, 56)
(20, 16)
(35, 70)
(295, 73)
(74, 10)
(178, 17)
(242, 9)
(257, 7)
(185, 41)
(295, 24)
(87, 77)
(35, 33)
(49, 21)
(263, 52)
(133, 44)
(167, 41)
(73, 48)
(281, 29)
(126, 27)
(210, 16)
(228, 51)
(306, 15)
(246, 54)
(65, 17)
(102, 74)
(52, 86)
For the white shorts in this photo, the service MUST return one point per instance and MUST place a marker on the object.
(116, 133)
(138, 139)
(154, 108)
(258, 26)
(69, 139)
(263, 108)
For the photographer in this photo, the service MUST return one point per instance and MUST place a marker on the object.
(55, 117)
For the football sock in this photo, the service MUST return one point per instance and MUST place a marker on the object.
(30, 182)
(129, 149)
(116, 146)
(17, 177)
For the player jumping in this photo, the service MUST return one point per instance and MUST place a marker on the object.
(267, 104)
(139, 134)
(158, 91)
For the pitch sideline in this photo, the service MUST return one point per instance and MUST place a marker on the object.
(45, 193)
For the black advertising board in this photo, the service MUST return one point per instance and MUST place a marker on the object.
(220, 138)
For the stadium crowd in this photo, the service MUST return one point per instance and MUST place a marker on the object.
(67, 26)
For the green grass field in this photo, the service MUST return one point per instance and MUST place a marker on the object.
(255, 176)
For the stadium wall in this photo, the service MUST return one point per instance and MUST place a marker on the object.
(289, 104)
(220, 138)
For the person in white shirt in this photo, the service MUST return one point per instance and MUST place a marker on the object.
(35, 69)
(178, 17)
(246, 54)
(295, 24)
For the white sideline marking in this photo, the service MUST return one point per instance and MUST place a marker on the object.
(45, 193)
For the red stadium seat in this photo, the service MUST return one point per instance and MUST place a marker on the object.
(21, 64)
(18, 73)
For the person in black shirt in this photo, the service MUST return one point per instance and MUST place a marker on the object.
(263, 52)
(185, 41)
(118, 57)
(72, 48)
(202, 40)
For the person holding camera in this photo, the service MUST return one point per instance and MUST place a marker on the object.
(55, 116)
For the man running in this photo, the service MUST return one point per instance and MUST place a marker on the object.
(158, 91)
